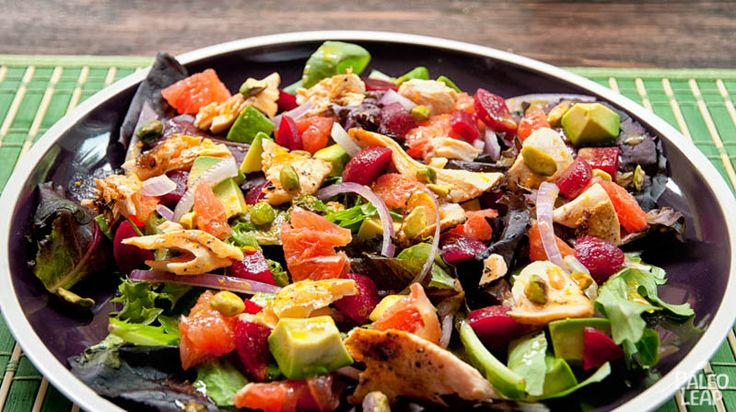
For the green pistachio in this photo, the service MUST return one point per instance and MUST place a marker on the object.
(262, 214)
(536, 290)
(289, 179)
(227, 303)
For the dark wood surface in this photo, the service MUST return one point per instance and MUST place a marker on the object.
(573, 33)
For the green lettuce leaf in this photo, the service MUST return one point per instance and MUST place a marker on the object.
(598, 376)
(526, 357)
(219, 380)
(414, 257)
(143, 335)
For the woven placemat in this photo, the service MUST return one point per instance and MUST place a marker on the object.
(36, 91)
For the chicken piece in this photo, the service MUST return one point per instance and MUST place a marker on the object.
(450, 148)
(341, 89)
(217, 117)
(431, 93)
(201, 252)
(312, 172)
(401, 364)
(592, 213)
(551, 143)
(305, 298)
(267, 99)
(494, 267)
(122, 195)
(563, 298)
(176, 152)
(463, 185)
(451, 215)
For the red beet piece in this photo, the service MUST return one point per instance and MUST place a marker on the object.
(575, 178)
(256, 194)
(287, 135)
(492, 110)
(396, 120)
(367, 165)
(600, 257)
(252, 307)
(377, 85)
(128, 257)
(456, 249)
(251, 344)
(357, 307)
(598, 349)
(180, 178)
(603, 158)
(464, 125)
(286, 102)
(253, 267)
(495, 327)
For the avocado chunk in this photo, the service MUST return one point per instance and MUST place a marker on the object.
(509, 383)
(308, 347)
(558, 376)
(370, 228)
(248, 124)
(201, 165)
(591, 124)
(252, 160)
(567, 335)
(538, 161)
(336, 156)
(229, 193)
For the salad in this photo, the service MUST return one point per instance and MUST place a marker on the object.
(359, 239)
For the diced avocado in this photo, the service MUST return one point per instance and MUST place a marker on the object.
(567, 335)
(335, 155)
(507, 382)
(187, 221)
(591, 124)
(559, 376)
(248, 124)
(538, 161)
(201, 165)
(252, 160)
(229, 193)
(308, 347)
(383, 306)
(370, 228)
(415, 222)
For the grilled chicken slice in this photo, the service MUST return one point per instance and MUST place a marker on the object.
(306, 298)
(463, 185)
(562, 298)
(202, 252)
(401, 364)
(312, 172)
(592, 213)
(431, 93)
(341, 89)
(175, 152)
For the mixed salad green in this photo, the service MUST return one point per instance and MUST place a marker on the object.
(364, 239)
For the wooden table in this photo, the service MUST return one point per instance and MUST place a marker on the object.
(573, 33)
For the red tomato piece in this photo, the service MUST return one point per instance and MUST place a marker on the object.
(492, 110)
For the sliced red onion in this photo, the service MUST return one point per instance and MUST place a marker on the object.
(158, 186)
(435, 240)
(341, 137)
(207, 280)
(515, 103)
(387, 224)
(349, 372)
(447, 327)
(479, 144)
(492, 148)
(165, 212)
(546, 197)
(214, 175)
(393, 97)
(295, 113)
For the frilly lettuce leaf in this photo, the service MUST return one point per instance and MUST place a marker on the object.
(219, 380)
(70, 244)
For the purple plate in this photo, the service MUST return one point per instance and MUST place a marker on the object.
(702, 272)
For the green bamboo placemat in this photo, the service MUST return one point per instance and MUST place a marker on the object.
(36, 91)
